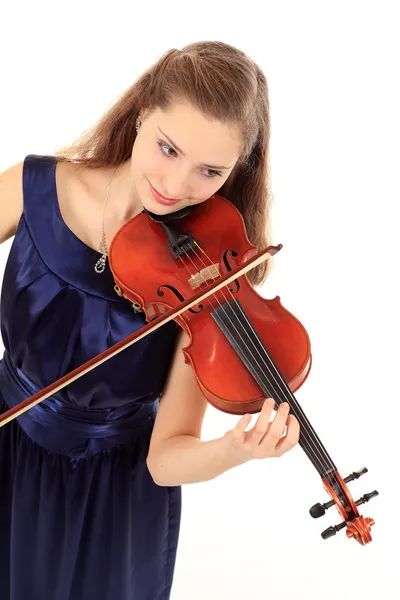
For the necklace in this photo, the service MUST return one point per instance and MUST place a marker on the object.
(100, 265)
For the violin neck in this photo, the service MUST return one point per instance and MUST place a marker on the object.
(237, 328)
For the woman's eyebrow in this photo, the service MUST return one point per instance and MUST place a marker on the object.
(183, 154)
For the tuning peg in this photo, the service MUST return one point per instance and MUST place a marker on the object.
(367, 497)
(356, 474)
(331, 531)
(318, 510)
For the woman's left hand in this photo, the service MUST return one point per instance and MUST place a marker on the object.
(267, 438)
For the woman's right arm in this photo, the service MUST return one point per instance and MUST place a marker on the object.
(11, 200)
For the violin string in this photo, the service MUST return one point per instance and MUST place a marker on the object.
(296, 408)
(299, 414)
(301, 417)
(223, 309)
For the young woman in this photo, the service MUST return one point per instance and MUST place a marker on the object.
(90, 478)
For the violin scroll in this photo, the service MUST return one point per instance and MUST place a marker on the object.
(358, 527)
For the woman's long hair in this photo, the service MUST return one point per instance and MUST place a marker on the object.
(224, 84)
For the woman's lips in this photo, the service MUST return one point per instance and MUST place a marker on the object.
(161, 199)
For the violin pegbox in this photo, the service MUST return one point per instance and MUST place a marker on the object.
(358, 527)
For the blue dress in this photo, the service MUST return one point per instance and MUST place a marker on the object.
(80, 516)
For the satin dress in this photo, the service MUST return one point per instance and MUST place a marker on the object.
(80, 516)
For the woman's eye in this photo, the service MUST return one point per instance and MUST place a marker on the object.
(162, 145)
(213, 173)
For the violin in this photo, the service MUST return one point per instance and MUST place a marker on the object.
(243, 348)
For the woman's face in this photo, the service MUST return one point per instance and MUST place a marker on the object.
(183, 155)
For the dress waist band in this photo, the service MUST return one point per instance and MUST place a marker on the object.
(57, 417)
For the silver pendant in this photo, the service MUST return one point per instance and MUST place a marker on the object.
(100, 266)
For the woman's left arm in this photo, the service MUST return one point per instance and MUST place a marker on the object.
(178, 456)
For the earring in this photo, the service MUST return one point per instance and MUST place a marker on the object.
(138, 123)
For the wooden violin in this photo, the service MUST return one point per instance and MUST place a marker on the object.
(243, 348)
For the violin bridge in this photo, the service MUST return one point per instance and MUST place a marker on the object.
(204, 275)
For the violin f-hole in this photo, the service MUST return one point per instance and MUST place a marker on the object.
(179, 296)
(229, 268)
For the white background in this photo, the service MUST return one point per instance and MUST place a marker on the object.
(332, 69)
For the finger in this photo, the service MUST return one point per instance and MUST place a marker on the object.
(277, 427)
(262, 424)
(288, 441)
(241, 425)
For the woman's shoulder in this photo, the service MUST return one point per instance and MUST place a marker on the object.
(11, 200)
(71, 176)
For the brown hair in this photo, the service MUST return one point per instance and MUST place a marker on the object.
(226, 85)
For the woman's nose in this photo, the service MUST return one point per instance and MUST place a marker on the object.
(177, 187)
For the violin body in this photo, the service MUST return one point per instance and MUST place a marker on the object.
(231, 389)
